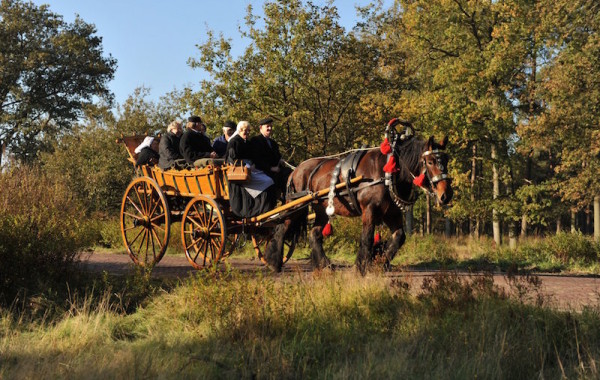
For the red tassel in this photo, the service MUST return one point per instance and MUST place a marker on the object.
(327, 230)
(385, 147)
(392, 123)
(376, 239)
(390, 167)
(418, 181)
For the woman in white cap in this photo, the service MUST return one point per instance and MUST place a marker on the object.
(255, 196)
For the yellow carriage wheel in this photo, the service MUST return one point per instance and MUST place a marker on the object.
(203, 232)
(145, 221)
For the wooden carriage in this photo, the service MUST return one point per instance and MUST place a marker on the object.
(199, 199)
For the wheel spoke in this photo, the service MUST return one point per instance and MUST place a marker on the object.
(157, 217)
(157, 239)
(194, 243)
(147, 209)
(200, 216)
(194, 221)
(151, 233)
(139, 250)
(148, 237)
(158, 202)
(134, 205)
(137, 236)
(137, 193)
(158, 227)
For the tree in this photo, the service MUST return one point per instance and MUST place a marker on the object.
(90, 161)
(302, 69)
(569, 127)
(50, 71)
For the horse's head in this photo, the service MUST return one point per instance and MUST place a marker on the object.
(435, 164)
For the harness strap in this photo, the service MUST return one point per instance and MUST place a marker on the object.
(314, 171)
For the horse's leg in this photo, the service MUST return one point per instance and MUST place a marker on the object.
(274, 250)
(315, 239)
(394, 221)
(364, 257)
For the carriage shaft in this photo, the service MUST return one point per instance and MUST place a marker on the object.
(301, 201)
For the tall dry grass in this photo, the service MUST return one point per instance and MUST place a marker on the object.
(42, 229)
(308, 326)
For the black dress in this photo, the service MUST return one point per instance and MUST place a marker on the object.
(242, 203)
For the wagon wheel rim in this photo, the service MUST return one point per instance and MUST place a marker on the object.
(203, 232)
(145, 221)
(261, 242)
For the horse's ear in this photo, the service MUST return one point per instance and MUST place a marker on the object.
(444, 142)
(430, 143)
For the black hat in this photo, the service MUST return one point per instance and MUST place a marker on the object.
(266, 120)
(194, 119)
(229, 124)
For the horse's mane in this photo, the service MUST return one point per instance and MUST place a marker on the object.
(409, 155)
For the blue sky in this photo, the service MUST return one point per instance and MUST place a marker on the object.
(153, 39)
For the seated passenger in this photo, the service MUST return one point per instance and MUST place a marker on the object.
(220, 143)
(267, 157)
(255, 196)
(169, 146)
(147, 152)
(195, 145)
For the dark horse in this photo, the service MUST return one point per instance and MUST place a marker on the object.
(380, 199)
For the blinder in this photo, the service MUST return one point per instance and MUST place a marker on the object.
(440, 157)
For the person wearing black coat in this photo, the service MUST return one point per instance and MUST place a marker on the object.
(255, 196)
(168, 148)
(194, 144)
(267, 156)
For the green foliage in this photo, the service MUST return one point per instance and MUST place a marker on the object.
(430, 249)
(94, 166)
(300, 67)
(42, 229)
(51, 71)
(564, 248)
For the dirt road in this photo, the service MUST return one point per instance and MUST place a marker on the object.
(567, 292)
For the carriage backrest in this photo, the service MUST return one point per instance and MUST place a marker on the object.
(132, 142)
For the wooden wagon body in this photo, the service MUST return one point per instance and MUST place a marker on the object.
(199, 199)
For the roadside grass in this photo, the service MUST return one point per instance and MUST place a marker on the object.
(565, 252)
(318, 325)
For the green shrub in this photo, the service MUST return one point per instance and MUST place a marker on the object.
(427, 249)
(563, 248)
(42, 229)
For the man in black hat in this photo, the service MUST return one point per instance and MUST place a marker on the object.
(220, 143)
(266, 154)
(195, 145)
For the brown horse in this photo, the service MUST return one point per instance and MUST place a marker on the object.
(379, 199)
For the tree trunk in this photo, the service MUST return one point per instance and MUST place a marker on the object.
(410, 219)
(474, 221)
(428, 215)
(448, 226)
(558, 225)
(495, 194)
(573, 220)
(524, 217)
(597, 218)
(588, 222)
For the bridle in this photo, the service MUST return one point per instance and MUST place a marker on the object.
(391, 180)
(440, 156)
